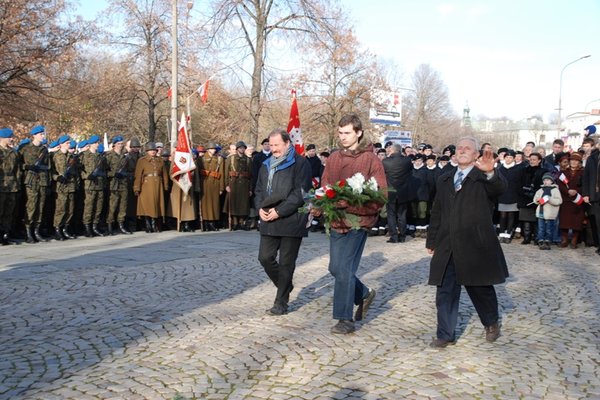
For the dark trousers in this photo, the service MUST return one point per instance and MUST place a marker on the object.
(447, 299)
(396, 216)
(594, 218)
(281, 272)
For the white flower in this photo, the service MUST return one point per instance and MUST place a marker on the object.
(356, 182)
(372, 184)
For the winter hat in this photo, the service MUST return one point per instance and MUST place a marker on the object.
(548, 176)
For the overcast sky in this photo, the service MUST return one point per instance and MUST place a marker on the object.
(502, 57)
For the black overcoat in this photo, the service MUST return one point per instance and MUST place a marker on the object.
(289, 182)
(461, 226)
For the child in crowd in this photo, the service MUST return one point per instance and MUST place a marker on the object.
(548, 199)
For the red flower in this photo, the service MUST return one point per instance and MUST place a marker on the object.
(330, 193)
(342, 183)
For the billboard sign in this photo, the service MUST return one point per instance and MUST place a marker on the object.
(403, 138)
(385, 108)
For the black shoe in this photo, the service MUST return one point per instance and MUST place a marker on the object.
(4, 239)
(343, 327)
(96, 230)
(66, 234)
(123, 229)
(37, 235)
(392, 240)
(492, 332)
(58, 234)
(402, 239)
(149, 225)
(88, 231)
(277, 309)
(438, 343)
(363, 307)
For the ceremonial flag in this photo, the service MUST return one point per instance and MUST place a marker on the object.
(543, 200)
(293, 127)
(183, 163)
(564, 179)
(578, 199)
(203, 91)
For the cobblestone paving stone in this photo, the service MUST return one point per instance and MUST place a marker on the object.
(182, 316)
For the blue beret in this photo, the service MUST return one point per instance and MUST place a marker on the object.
(37, 129)
(72, 144)
(93, 139)
(591, 129)
(53, 143)
(117, 139)
(6, 133)
(23, 142)
(63, 139)
(82, 144)
(101, 148)
(45, 141)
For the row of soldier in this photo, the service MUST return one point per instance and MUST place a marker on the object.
(68, 188)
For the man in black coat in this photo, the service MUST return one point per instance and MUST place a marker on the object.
(591, 190)
(463, 242)
(281, 181)
(398, 169)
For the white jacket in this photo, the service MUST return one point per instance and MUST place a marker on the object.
(550, 208)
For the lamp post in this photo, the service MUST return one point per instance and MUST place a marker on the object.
(560, 90)
(174, 72)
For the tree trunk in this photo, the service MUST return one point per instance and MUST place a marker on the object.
(256, 90)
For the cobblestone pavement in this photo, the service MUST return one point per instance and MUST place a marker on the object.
(182, 316)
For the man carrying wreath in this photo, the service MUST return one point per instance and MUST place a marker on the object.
(347, 243)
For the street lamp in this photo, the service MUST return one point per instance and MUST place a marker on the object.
(560, 90)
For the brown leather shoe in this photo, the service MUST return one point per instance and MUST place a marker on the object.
(438, 343)
(492, 332)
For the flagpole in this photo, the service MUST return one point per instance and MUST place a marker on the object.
(174, 72)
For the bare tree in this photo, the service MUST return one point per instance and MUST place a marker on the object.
(340, 77)
(146, 41)
(428, 110)
(248, 27)
(35, 38)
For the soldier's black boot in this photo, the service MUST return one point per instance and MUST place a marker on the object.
(154, 223)
(4, 238)
(88, 231)
(57, 234)
(30, 237)
(96, 230)
(109, 229)
(123, 229)
(66, 234)
(37, 234)
(149, 228)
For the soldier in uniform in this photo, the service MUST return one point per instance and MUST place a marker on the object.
(238, 175)
(94, 177)
(9, 184)
(118, 174)
(132, 147)
(210, 186)
(37, 180)
(151, 181)
(65, 174)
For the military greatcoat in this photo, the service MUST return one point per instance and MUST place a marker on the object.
(238, 175)
(210, 183)
(151, 181)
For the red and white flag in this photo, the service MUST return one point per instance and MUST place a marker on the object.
(578, 199)
(203, 91)
(563, 178)
(183, 163)
(543, 200)
(293, 127)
